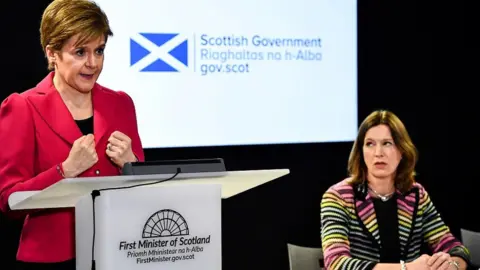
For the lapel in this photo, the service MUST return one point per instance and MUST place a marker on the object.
(102, 113)
(52, 109)
(407, 205)
(55, 113)
(366, 213)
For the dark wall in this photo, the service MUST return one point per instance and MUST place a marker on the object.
(401, 68)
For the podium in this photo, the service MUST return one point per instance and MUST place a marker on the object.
(147, 222)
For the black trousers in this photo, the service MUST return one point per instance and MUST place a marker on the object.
(68, 265)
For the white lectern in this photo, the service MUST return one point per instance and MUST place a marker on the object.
(173, 224)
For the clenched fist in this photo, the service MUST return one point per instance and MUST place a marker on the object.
(119, 149)
(82, 156)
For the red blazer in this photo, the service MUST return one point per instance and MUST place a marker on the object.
(37, 132)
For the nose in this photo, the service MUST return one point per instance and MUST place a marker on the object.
(92, 61)
(378, 150)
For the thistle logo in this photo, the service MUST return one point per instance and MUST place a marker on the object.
(158, 52)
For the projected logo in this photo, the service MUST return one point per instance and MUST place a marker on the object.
(159, 52)
(210, 54)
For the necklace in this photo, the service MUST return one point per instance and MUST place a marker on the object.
(384, 198)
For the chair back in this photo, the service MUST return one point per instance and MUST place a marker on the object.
(471, 240)
(305, 258)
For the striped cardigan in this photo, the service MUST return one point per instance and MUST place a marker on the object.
(349, 229)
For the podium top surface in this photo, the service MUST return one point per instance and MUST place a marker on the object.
(67, 192)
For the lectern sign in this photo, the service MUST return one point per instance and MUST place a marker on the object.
(165, 238)
(170, 227)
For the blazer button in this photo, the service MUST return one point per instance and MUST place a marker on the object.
(97, 172)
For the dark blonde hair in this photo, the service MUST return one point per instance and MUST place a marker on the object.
(63, 19)
(405, 174)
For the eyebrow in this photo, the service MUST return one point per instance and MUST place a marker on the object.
(83, 46)
(387, 139)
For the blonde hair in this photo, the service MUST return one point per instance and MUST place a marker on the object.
(63, 19)
(405, 174)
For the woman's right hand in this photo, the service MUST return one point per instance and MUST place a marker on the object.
(82, 156)
(421, 263)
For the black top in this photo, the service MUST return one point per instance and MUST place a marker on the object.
(387, 219)
(86, 125)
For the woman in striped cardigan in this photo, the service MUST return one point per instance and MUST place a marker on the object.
(380, 217)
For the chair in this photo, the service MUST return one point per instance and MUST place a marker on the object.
(304, 258)
(471, 240)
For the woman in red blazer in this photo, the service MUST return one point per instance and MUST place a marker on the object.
(66, 126)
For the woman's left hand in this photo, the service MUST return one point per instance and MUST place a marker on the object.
(441, 261)
(119, 149)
